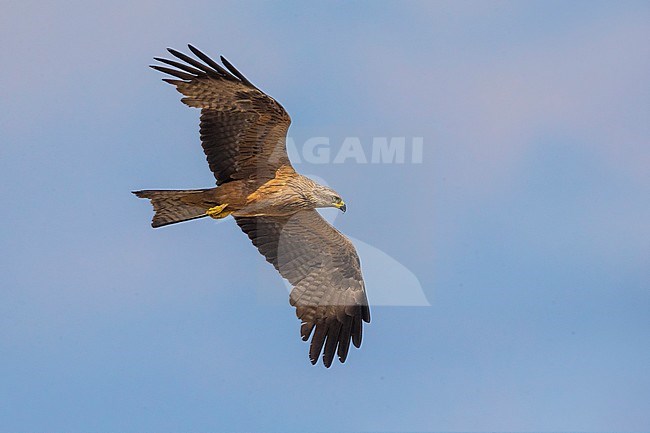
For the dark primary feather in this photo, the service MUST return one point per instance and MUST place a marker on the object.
(323, 266)
(234, 70)
(215, 70)
(173, 72)
(180, 65)
(243, 130)
(208, 60)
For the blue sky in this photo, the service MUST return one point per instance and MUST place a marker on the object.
(525, 225)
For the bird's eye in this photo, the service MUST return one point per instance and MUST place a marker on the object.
(337, 199)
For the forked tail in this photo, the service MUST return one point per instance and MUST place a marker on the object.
(174, 206)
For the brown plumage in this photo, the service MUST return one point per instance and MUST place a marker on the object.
(243, 134)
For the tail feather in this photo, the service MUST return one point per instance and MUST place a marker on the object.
(174, 206)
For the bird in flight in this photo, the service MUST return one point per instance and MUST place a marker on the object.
(243, 135)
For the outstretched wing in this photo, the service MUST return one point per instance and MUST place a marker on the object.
(243, 130)
(323, 266)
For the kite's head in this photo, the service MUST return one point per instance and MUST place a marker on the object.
(327, 197)
(339, 204)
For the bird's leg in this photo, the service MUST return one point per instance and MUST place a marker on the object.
(217, 212)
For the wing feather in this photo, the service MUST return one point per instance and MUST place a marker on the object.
(344, 338)
(216, 66)
(243, 130)
(235, 72)
(179, 65)
(323, 266)
(333, 331)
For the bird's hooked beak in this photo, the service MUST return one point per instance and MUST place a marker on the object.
(341, 206)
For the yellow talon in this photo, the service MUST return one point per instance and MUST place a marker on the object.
(217, 212)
